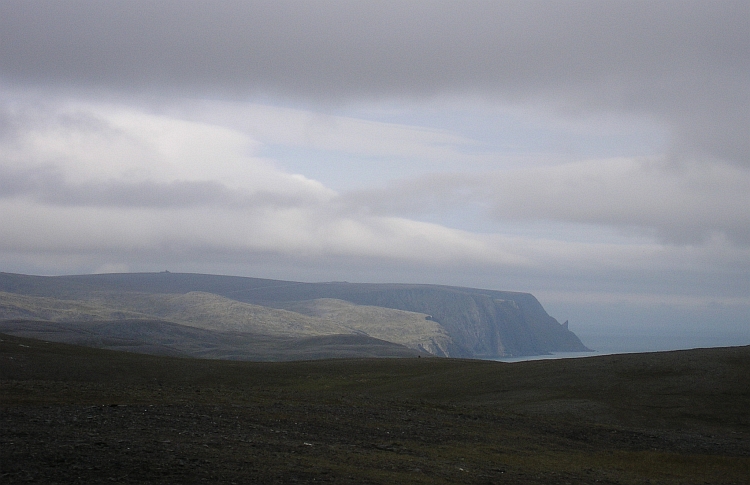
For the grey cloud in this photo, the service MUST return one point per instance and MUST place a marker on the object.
(21, 113)
(10, 123)
(47, 184)
(677, 205)
(335, 47)
(686, 63)
(6, 125)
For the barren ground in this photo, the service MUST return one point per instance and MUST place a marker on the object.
(77, 415)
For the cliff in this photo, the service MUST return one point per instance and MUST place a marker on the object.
(442, 320)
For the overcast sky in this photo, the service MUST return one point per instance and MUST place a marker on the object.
(595, 154)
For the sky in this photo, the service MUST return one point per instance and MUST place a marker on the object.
(595, 154)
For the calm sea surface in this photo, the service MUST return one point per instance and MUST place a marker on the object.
(557, 355)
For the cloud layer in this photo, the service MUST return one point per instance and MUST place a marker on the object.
(127, 184)
(677, 204)
(590, 151)
(683, 63)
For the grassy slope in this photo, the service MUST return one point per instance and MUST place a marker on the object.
(676, 417)
(412, 329)
(196, 309)
(165, 338)
(213, 312)
(15, 306)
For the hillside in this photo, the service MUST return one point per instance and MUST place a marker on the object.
(413, 329)
(70, 414)
(446, 321)
(166, 338)
(155, 323)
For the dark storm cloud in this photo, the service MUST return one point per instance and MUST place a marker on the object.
(683, 62)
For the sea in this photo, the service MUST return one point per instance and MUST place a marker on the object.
(560, 355)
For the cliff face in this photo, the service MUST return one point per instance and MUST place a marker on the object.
(476, 322)
(481, 323)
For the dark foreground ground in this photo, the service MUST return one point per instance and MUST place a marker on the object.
(77, 415)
